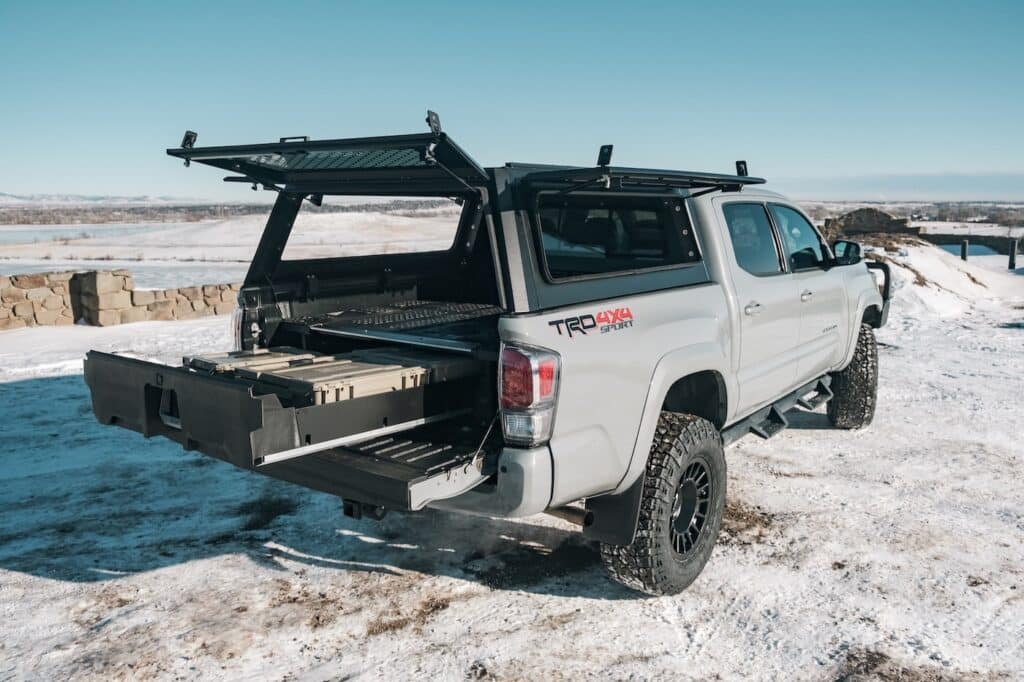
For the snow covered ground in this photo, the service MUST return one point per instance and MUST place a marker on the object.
(897, 551)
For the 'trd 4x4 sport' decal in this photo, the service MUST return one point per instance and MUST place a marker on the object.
(604, 321)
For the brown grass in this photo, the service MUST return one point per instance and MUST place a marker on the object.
(389, 622)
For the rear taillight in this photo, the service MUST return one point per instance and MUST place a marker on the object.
(528, 388)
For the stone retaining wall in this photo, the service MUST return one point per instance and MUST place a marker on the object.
(31, 300)
(111, 298)
(104, 298)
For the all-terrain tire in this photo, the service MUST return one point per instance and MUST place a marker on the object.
(682, 444)
(855, 388)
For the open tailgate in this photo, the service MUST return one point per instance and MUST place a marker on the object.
(358, 447)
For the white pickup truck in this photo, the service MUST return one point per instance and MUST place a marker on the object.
(581, 341)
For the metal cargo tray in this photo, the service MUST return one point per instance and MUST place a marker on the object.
(304, 403)
(313, 378)
(396, 472)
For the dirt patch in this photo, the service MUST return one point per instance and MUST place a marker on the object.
(263, 511)
(557, 621)
(744, 525)
(919, 278)
(867, 664)
(320, 607)
(389, 622)
(97, 613)
(888, 240)
(975, 280)
(529, 565)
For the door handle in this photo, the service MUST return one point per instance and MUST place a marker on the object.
(806, 296)
(752, 308)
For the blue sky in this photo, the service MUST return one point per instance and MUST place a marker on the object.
(828, 100)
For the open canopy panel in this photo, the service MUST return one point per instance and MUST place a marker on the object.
(420, 164)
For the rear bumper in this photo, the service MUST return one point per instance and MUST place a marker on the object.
(522, 488)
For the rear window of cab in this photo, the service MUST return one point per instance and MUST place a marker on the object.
(592, 235)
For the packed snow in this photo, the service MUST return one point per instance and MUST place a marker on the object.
(896, 551)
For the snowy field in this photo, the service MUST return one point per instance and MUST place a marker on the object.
(893, 552)
(183, 254)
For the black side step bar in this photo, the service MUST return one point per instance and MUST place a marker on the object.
(769, 420)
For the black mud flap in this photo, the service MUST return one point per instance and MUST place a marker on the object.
(224, 417)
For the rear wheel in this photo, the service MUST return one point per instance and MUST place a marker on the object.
(680, 510)
(855, 388)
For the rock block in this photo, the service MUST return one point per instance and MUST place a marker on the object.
(47, 316)
(139, 314)
(108, 318)
(199, 306)
(29, 281)
(108, 301)
(224, 307)
(162, 313)
(39, 294)
(183, 311)
(96, 283)
(23, 309)
(143, 297)
(12, 323)
(54, 303)
(12, 294)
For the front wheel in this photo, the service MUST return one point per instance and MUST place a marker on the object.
(680, 509)
(855, 388)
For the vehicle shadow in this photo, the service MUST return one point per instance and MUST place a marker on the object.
(84, 502)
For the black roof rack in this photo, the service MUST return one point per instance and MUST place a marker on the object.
(571, 179)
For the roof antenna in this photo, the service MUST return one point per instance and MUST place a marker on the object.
(741, 169)
(434, 121)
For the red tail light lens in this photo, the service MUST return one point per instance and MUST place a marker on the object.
(516, 379)
(547, 371)
(528, 388)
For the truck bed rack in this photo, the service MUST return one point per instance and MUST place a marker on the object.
(459, 327)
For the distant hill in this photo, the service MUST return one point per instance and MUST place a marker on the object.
(90, 200)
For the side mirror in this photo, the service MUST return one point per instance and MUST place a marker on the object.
(847, 252)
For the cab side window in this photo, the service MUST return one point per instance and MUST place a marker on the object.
(752, 239)
(799, 238)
